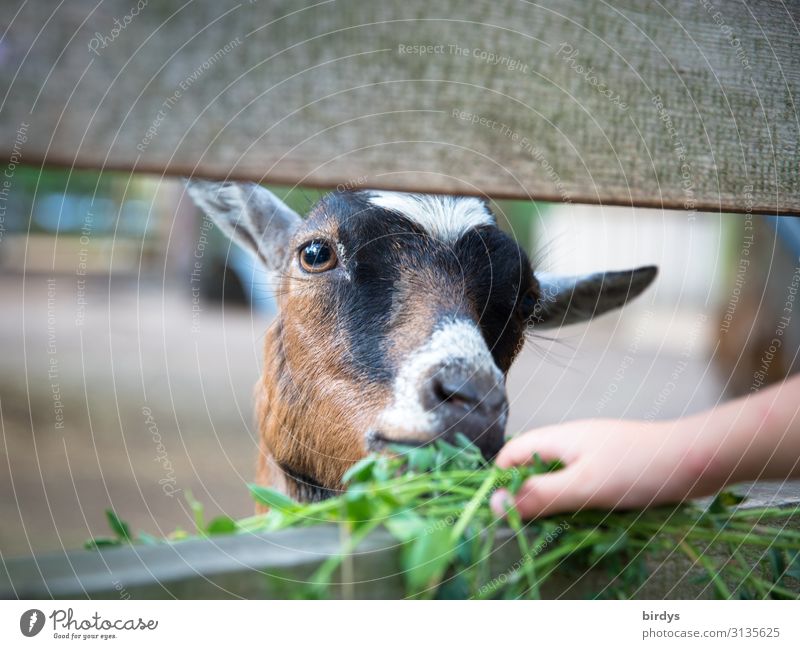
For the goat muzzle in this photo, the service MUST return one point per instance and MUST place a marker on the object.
(470, 402)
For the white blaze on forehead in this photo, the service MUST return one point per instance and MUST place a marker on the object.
(454, 342)
(444, 217)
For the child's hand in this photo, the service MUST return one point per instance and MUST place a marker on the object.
(609, 464)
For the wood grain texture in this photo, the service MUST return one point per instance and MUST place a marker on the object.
(273, 566)
(327, 93)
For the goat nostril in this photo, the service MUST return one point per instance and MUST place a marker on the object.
(455, 392)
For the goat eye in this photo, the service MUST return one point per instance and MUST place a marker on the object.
(526, 306)
(317, 256)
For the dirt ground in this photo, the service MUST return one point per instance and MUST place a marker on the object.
(136, 397)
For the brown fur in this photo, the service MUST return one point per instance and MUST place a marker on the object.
(306, 419)
(311, 417)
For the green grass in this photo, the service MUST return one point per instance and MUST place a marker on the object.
(434, 502)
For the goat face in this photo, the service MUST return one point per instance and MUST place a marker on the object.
(400, 315)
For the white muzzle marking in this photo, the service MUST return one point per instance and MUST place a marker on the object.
(453, 342)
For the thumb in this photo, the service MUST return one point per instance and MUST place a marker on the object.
(542, 495)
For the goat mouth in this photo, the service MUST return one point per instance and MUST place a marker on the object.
(378, 442)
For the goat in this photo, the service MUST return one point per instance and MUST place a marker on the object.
(399, 317)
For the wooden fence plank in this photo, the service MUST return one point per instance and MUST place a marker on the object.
(277, 565)
(683, 104)
(250, 566)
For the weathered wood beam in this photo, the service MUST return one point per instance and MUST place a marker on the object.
(683, 104)
(277, 565)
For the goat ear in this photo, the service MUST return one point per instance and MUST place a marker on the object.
(566, 300)
(252, 216)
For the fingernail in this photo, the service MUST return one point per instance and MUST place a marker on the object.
(500, 502)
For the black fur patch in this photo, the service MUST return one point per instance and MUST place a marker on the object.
(482, 276)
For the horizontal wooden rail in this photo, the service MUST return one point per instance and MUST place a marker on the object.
(251, 566)
(277, 566)
(686, 104)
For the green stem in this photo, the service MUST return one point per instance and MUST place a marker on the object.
(485, 551)
(322, 576)
(527, 558)
(708, 566)
(699, 533)
(472, 506)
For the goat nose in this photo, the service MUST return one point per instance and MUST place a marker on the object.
(464, 391)
(470, 402)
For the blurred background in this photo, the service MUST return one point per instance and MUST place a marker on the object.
(131, 340)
